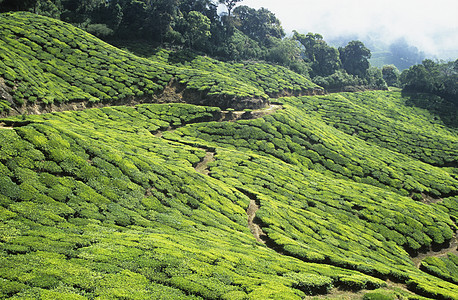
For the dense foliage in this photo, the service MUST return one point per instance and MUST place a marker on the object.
(154, 201)
(445, 267)
(243, 33)
(433, 77)
(305, 140)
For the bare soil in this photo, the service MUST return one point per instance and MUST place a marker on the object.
(201, 167)
(254, 228)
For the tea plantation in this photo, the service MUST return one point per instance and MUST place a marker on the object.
(112, 203)
(45, 61)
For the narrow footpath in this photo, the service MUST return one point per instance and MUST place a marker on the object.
(202, 167)
(254, 228)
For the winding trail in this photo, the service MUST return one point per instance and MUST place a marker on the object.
(255, 229)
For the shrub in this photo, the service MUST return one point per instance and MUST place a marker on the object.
(310, 284)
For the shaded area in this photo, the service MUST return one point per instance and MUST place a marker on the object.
(255, 229)
(446, 110)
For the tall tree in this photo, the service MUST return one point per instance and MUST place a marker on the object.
(198, 29)
(260, 25)
(391, 75)
(308, 42)
(16, 5)
(230, 4)
(324, 59)
(355, 58)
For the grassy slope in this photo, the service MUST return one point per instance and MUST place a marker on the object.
(47, 61)
(302, 138)
(94, 204)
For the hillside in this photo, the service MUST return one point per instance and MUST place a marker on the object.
(46, 64)
(347, 194)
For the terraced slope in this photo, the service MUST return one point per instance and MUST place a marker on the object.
(275, 81)
(177, 201)
(94, 204)
(298, 136)
(44, 62)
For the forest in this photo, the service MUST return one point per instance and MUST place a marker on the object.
(182, 172)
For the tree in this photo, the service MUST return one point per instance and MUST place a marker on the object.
(308, 42)
(437, 78)
(326, 59)
(374, 79)
(416, 78)
(16, 5)
(230, 4)
(355, 58)
(391, 75)
(260, 25)
(198, 29)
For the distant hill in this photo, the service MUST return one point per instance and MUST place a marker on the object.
(250, 196)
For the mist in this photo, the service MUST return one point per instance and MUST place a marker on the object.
(430, 26)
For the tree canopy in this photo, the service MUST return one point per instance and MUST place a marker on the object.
(440, 78)
(355, 58)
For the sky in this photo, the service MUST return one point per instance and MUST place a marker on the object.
(429, 25)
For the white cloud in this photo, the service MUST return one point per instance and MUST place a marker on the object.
(432, 26)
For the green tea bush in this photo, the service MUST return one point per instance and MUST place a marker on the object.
(310, 284)
(386, 119)
(295, 137)
(378, 296)
(444, 267)
(99, 203)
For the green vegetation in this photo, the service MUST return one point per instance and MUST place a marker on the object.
(303, 139)
(92, 209)
(431, 77)
(445, 267)
(382, 118)
(104, 208)
(241, 34)
(152, 201)
(270, 79)
(44, 61)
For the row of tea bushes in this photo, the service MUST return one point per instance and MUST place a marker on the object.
(45, 60)
(324, 220)
(445, 267)
(383, 118)
(270, 79)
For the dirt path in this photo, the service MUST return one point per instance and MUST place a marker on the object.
(3, 126)
(453, 248)
(201, 167)
(232, 116)
(254, 228)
